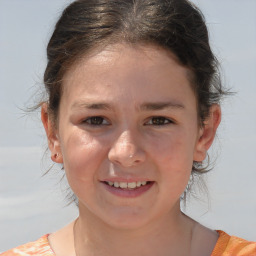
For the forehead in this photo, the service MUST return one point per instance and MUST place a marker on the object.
(121, 67)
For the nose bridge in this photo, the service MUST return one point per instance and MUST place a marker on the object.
(126, 149)
(126, 145)
(126, 139)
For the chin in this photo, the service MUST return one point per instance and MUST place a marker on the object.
(128, 224)
(126, 218)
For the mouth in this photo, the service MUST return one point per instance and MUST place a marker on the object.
(128, 189)
(127, 185)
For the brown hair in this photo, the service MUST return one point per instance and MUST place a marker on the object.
(175, 25)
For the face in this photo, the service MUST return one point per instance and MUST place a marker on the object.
(128, 134)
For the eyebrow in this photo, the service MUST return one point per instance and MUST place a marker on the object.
(104, 106)
(161, 105)
(144, 107)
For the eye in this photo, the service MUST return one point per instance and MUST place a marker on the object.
(96, 120)
(159, 120)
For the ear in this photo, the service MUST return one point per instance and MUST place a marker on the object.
(53, 140)
(207, 133)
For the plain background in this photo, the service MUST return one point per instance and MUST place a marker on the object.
(32, 205)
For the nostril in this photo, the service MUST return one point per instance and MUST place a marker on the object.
(127, 161)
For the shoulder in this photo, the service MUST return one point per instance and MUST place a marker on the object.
(231, 245)
(41, 247)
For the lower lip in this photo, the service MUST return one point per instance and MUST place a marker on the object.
(126, 192)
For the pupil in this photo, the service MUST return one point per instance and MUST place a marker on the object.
(158, 120)
(96, 120)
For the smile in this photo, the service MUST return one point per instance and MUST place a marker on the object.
(129, 185)
(127, 189)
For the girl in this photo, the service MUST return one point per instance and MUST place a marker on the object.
(132, 109)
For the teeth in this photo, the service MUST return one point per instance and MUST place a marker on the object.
(130, 185)
(123, 185)
(138, 183)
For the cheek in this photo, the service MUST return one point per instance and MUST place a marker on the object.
(175, 160)
(82, 156)
(175, 149)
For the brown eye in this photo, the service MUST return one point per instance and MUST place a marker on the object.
(159, 121)
(96, 120)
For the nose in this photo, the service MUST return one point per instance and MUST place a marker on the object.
(126, 150)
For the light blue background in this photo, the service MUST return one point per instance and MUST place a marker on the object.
(31, 205)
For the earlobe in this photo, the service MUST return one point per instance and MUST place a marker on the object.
(207, 133)
(53, 140)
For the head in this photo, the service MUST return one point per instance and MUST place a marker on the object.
(174, 26)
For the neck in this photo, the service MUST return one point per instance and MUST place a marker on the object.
(168, 236)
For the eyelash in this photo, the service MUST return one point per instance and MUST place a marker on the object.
(156, 121)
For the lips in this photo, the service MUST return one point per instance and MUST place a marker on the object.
(127, 189)
(130, 185)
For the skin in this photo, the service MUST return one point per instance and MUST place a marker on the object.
(130, 90)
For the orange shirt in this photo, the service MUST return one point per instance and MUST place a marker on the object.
(41, 247)
(226, 246)
(233, 246)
